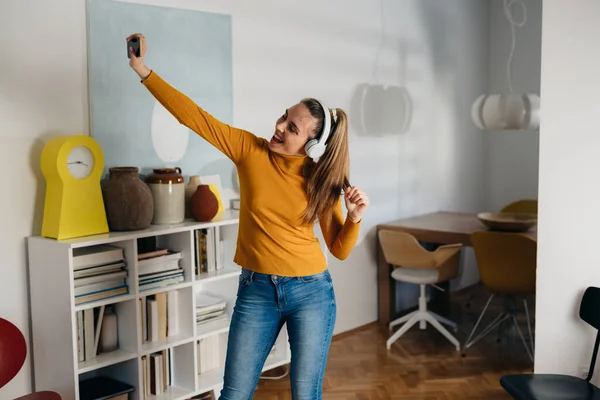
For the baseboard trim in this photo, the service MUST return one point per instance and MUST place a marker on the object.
(352, 331)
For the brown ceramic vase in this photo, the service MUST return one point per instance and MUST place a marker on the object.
(204, 204)
(127, 200)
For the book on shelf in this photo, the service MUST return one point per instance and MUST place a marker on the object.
(99, 272)
(100, 254)
(157, 369)
(208, 353)
(159, 268)
(208, 252)
(93, 335)
(159, 317)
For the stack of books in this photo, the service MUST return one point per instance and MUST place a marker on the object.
(158, 373)
(208, 252)
(159, 316)
(209, 308)
(159, 268)
(99, 272)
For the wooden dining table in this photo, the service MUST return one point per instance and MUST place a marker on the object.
(442, 227)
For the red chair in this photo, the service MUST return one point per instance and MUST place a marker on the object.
(13, 351)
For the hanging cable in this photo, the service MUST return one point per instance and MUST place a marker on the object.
(513, 24)
(381, 41)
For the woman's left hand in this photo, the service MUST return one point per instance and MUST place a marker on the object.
(356, 203)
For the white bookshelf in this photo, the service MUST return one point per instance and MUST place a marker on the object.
(54, 313)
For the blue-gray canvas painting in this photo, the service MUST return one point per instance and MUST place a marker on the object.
(191, 50)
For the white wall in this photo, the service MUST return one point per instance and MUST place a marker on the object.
(513, 155)
(568, 184)
(42, 93)
(283, 51)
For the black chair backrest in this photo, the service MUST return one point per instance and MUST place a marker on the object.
(588, 311)
(590, 304)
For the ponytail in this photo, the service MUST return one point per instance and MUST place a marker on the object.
(326, 179)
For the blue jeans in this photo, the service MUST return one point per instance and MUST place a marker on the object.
(264, 303)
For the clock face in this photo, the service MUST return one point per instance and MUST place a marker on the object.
(80, 162)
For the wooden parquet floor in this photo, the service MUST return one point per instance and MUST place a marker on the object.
(421, 365)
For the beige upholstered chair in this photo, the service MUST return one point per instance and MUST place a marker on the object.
(414, 264)
(529, 206)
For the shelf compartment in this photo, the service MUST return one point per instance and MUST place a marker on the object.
(176, 365)
(169, 315)
(101, 280)
(224, 289)
(179, 242)
(125, 371)
(125, 337)
(210, 360)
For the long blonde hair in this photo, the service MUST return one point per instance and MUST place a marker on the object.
(326, 179)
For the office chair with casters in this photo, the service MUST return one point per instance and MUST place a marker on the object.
(556, 386)
(414, 264)
(13, 351)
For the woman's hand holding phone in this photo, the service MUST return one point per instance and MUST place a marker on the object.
(137, 53)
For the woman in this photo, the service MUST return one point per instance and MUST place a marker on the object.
(283, 191)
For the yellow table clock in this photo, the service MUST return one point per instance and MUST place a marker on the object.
(74, 207)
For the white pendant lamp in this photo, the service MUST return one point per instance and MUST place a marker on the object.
(508, 111)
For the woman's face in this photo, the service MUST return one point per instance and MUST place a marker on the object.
(292, 130)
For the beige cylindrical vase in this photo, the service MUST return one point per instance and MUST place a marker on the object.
(168, 191)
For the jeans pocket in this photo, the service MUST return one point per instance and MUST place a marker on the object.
(316, 277)
(245, 277)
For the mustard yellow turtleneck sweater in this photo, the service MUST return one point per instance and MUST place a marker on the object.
(272, 238)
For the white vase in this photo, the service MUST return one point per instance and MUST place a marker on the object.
(109, 338)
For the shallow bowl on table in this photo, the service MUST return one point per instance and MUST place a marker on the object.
(508, 222)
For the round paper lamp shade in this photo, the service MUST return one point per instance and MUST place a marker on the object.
(495, 112)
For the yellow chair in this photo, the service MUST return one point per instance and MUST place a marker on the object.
(529, 206)
(507, 267)
(414, 264)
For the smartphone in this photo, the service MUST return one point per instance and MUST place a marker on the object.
(135, 44)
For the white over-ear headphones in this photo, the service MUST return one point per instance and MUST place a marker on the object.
(315, 148)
